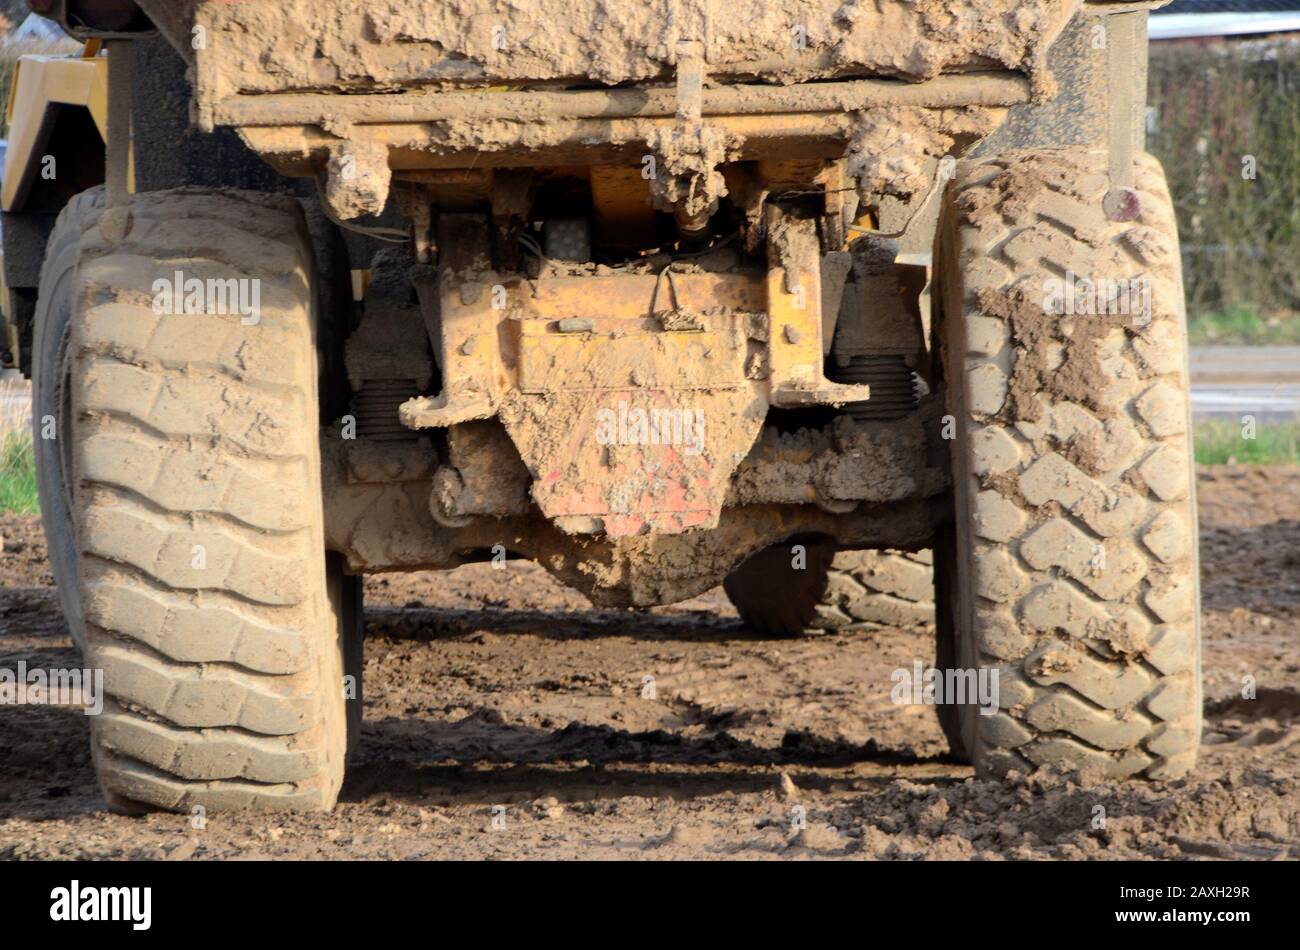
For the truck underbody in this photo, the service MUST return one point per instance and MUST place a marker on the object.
(730, 298)
(642, 291)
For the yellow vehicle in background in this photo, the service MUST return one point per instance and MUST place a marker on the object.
(57, 115)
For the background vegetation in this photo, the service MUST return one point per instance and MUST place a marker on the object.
(1212, 110)
(17, 463)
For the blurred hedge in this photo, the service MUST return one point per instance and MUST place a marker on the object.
(1213, 107)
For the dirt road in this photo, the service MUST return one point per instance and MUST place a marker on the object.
(497, 690)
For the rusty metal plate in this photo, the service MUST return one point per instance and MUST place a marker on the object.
(684, 332)
(635, 460)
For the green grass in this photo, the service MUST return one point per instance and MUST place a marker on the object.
(17, 461)
(1245, 326)
(1220, 442)
(17, 474)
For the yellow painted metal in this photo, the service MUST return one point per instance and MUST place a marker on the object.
(611, 333)
(41, 84)
(794, 294)
(631, 353)
(641, 295)
(630, 397)
(864, 222)
(586, 334)
(795, 328)
(635, 396)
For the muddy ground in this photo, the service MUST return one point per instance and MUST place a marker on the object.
(500, 688)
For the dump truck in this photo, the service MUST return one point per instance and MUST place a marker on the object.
(868, 310)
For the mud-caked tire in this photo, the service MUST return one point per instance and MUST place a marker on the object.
(206, 597)
(1074, 542)
(52, 426)
(877, 589)
(778, 589)
(781, 595)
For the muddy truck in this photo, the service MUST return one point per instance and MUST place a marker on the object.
(868, 310)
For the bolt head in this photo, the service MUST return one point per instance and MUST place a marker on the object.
(1121, 204)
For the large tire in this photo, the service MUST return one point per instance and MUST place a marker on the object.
(777, 590)
(832, 591)
(51, 399)
(877, 589)
(1074, 546)
(205, 590)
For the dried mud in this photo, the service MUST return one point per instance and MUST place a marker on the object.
(892, 150)
(273, 45)
(500, 688)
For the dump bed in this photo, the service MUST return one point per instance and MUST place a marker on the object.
(263, 46)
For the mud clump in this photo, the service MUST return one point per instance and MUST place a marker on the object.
(358, 179)
(1075, 816)
(888, 152)
(1080, 376)
(690, 180)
